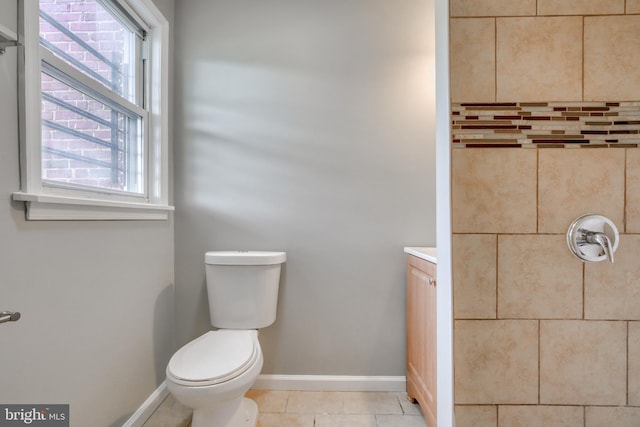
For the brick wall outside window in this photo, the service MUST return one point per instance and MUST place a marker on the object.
(89, 22)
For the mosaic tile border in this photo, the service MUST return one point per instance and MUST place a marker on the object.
(545, 124)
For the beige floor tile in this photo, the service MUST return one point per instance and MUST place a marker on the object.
(285, 420)
(371, 403)
(331, 420)
(408, 407)
(315, 402)
(400, 421)
(320, 409)
(170, 413)
(269, 401)
(166, 419)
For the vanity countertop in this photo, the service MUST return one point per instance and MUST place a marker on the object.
(426, 253)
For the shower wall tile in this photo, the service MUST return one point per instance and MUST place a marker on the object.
(583, 362)
(602, 416)
(494, 191)
(536, 416)
(496, 361)
(557, 82)
(474, 276)
(473, 77)
(633, 192)
(580, 7)
(612, 291)
(611, 58)
(545, 50)
(575, 182)
(493, 7)
(634, 365)
(538, 278)
(633, 6)
(476, 416)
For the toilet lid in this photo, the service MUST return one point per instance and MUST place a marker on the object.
(215, 357)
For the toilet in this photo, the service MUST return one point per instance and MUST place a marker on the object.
(212, 373)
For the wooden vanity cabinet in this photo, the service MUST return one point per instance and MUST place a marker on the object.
(421, 335)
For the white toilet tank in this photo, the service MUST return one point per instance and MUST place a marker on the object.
(243, 288)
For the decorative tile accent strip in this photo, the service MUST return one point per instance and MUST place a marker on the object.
(546, 124)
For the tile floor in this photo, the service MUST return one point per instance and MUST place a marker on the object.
(312, 409)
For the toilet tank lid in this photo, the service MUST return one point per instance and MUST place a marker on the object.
(244, 257)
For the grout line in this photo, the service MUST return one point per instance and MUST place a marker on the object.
(286, 403)
(583, 54)
(537, 191)
(624, 194)
(584, 286)
(497, 274)
(539, 358)
(495, 59)
(627, 376)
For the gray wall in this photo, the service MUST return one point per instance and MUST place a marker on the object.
(308, 127)
(96, 297)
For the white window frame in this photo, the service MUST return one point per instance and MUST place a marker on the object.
(48, 202)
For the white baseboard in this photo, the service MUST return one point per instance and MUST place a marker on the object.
(330, 383)
(145, 410)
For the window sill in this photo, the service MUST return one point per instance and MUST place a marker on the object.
(59, 208)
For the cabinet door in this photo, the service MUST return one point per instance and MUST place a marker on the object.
(421, 335)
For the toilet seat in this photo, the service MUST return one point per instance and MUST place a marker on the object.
(214, 358)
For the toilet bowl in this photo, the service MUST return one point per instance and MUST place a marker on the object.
(212, 373)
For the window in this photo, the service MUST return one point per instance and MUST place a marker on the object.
(94, 110)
